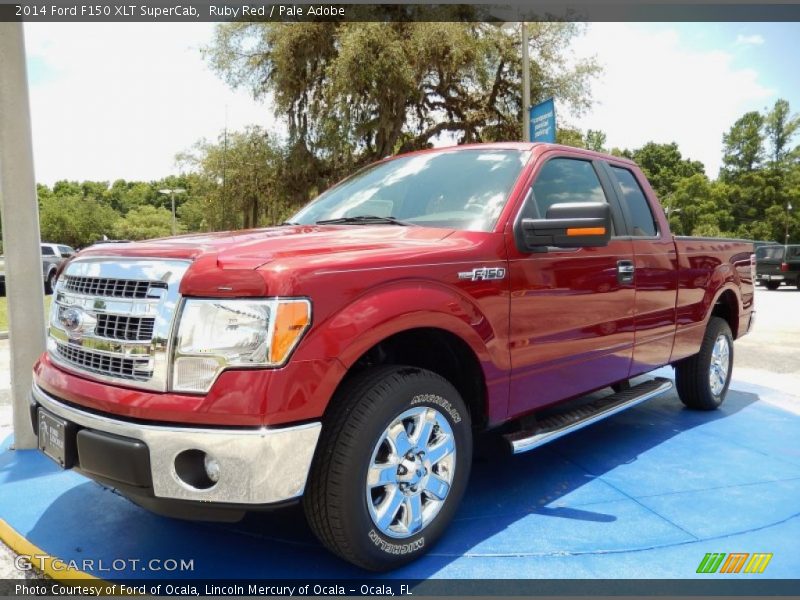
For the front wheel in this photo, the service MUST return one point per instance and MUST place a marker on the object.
(391, 466)
(703, 379)
(49, 282)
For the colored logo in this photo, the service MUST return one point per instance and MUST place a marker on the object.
(735, 562)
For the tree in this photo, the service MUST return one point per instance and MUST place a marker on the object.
(570, 137)
(780, 126)
(352, 93)
(664, 166)
(143, 223)
(743, 146)
(74, 220)
(238, 181)
(596, 140)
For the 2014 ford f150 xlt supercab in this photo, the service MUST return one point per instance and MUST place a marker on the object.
(351, 355)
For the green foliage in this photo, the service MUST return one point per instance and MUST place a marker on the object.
(144, 223)
(759, 179)
(74, 220)
(596, 140)
(664, 166)
(570, 137)
(239, 182)
(743, 146)
(352, 93)
(780, 127)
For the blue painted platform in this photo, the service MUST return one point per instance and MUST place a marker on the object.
(644, 494)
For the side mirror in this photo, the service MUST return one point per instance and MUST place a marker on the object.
(568, 225)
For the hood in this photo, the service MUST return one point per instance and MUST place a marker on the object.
(253, 248)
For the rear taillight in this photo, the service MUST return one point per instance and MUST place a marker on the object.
(784, 267)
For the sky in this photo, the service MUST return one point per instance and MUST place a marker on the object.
(119, 101)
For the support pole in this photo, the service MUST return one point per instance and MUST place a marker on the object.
(526, 86)
(20, 210)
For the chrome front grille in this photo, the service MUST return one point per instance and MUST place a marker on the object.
(110, 287)
(111, 319)
(121, 327)
(138, 369)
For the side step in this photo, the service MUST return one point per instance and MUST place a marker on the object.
(559, 424)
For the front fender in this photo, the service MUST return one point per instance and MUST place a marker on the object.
(398, 307)
(401, 306)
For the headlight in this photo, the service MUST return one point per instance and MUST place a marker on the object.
(216, 334)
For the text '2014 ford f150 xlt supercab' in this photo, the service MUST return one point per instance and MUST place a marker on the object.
(350, 356)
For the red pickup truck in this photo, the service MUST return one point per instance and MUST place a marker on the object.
(351, 355)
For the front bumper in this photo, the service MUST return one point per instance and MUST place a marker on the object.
(258, 466)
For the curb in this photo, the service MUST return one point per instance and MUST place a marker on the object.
(52, 566)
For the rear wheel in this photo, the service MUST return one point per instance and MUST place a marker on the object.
(391, 466)
(773, 285)
(703, 379)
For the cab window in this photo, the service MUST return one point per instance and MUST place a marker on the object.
(563, 180)
(642, 222)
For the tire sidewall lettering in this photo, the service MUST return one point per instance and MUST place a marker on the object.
(392, 548)
(451, 410)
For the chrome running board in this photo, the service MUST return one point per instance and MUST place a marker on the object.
(556, 425)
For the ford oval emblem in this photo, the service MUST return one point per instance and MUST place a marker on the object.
(72, 319)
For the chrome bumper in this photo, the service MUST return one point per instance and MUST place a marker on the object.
(257, 466)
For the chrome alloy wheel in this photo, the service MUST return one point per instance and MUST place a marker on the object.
(720, 365)
(410, 472)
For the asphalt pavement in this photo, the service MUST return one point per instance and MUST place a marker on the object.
(769, 356)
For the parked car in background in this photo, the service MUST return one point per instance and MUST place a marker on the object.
(52, 257)
(761, 243)
(778, 264)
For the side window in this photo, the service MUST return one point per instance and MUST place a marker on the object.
(563, 180)
(47, 251)
(643, 224)
(65, 251)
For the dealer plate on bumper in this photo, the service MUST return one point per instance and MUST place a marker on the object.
(53, 437)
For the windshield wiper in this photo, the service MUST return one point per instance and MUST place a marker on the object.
(363, 220)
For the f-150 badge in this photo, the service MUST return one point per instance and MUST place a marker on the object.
(483, 274)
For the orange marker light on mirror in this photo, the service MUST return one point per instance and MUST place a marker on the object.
(574, 231)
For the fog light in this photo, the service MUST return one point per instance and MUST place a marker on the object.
(212, 468)
(192, 467)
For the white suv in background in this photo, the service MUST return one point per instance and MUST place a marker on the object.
(52, 256)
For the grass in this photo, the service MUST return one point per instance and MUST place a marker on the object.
(4, 311)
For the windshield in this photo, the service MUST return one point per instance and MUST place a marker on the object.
(457, 189)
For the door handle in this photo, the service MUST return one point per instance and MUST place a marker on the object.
(625, 271)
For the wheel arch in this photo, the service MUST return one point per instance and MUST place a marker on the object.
(434, 349)
(727, 307)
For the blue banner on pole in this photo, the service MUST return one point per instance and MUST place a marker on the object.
(543, 122)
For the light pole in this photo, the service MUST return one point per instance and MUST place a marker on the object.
(19, 207)
(526, 79)
(171, 193)
(526, 86)
(788, 208)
